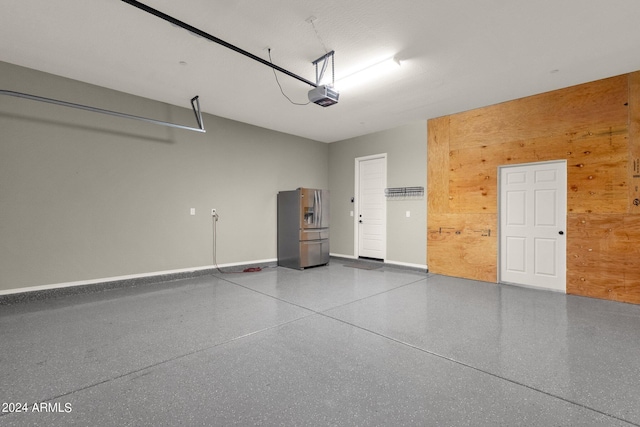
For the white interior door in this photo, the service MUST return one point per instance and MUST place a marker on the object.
(371, 225)
(533, 221)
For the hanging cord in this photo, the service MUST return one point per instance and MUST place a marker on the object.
(215, 262)
(214, 217)
(280, 86)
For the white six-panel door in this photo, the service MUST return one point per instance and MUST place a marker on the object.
(533, 204)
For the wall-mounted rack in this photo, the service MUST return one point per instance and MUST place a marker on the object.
(195, 105)
(403, 192)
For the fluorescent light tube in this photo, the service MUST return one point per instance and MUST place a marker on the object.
(368, 74)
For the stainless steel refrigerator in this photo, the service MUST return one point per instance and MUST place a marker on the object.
(303, 228)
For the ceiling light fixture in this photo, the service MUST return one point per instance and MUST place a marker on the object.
(367, 74)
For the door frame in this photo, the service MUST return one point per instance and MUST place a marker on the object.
(356, 209)
(499, 217)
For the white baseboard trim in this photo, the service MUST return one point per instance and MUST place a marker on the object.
(407, 264)
(343, 256)
(127, 277)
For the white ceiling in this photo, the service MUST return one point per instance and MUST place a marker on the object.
(456, 54)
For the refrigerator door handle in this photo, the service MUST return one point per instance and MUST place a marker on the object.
(319, 209)
(316, 207)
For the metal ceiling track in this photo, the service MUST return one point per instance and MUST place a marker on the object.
(195, 105)
(214, 39)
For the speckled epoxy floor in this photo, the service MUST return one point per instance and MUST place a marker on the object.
(326, 346)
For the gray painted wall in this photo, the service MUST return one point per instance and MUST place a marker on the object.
(406, 150)
(85, 196)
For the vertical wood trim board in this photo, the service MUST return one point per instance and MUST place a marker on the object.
(596, 128)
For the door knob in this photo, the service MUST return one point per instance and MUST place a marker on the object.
(360, 221)
(561, 232)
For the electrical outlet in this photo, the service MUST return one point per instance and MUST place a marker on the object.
(192, 211)
(213, 212)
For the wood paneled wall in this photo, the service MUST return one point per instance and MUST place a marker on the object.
(596, 128)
